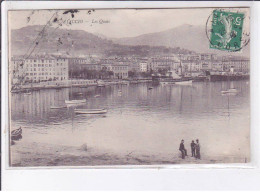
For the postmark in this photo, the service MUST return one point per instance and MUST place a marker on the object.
(225, 30)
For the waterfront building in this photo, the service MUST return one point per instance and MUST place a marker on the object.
(236, 64)
(84, 63)
(190, 65)
(118, 66)
(40, 68)
(163, 62)
(206, 65)
(143, 66)
(120, 70)
(217, 65)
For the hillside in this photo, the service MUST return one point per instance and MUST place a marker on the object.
(77, 42)
(186, 36)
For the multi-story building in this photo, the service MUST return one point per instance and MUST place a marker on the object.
(35, 69)
(217, 65)
(190, 65)
(163, 62)
(84, 63)
(236, 64)
(143, 66)
(120, 70)
(206, 65)
(119, 67)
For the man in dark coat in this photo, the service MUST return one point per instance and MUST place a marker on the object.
(192, 145)
(183, 150)
(197, 148)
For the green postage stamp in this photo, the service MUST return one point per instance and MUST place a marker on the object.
(226, 32)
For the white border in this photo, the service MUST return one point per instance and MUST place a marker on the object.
(186, 177)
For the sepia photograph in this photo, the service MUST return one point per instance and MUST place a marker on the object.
(119, 87)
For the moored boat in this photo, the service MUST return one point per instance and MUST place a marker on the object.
(167, 82)
(58, 107)
(16, 134)
(90, 111)
(75, 101)
(187, 82)
(230, 91)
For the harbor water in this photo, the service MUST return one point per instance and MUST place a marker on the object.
(140, 121)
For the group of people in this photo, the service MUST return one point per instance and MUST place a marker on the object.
(195, 149)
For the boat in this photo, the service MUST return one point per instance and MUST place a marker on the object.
(187, 82)
(16, 134)
(167, 82)
(101, 83)
(90, 111)
(58, 107)
(150, 88)
(96, 96)
(75, 101)
(230, 91)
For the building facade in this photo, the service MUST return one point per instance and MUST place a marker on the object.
(37, 69)
(143, 67)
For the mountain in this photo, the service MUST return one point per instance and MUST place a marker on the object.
(30, 40)
(185, 36)
(56, 40)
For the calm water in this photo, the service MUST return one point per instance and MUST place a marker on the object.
(138, 119)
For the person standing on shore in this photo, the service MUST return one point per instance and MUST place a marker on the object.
(192, 145)
(183, 150)
(197, 148)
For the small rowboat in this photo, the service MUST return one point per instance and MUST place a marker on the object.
(189, 82)
(58, 107)
(230, 91)
(75, 101)
(16, 134)
(90, 111)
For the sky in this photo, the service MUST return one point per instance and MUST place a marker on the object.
(117, 23)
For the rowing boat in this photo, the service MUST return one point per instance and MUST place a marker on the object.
(188, 82)
(75, 101)
(58, 107)
(90, 111)
(16, 134)
(230, 91)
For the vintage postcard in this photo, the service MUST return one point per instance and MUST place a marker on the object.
(106, 87)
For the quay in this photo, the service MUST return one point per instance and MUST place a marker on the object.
(72, 83)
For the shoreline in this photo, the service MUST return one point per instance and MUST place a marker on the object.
(29, 87)
(42, 155)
